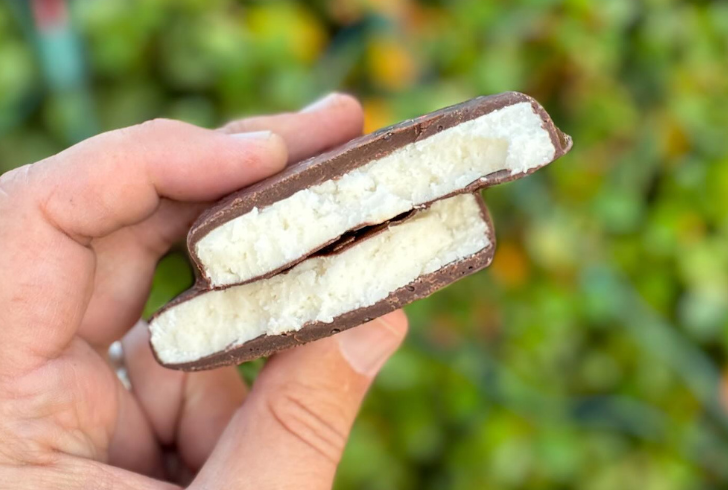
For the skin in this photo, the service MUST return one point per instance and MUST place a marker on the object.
(80, 234)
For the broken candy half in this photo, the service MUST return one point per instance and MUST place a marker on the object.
(278, 222)
(372, 274)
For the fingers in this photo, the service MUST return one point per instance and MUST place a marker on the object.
(328, 122)
(292, 429)
(189, 410)
(126, 259)
(50, 211)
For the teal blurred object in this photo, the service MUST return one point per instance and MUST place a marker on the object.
(592, 354)
(47, 23)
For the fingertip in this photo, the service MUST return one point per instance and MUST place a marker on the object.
(354, 108)
(279, 149)
(342, 110)
(398, 321)
(367, 347)
(350, 104)
(347, 109)
(326, 123)
(334, 100)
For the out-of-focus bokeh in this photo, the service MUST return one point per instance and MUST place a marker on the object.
(590, 355)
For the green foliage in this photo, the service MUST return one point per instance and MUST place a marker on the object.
(590, 354)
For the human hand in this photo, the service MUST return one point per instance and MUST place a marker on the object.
(80, 236)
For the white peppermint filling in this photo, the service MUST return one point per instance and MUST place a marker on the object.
(266, 239)
(321, 288)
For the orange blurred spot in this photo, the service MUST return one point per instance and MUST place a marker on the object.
(393, 8)
(487, 317)
(376, 115)
(426, 20)
(445, 332)
(346, 11)
(391, 65)
(510, 265)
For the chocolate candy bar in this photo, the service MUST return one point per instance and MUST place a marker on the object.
(344, 237)
(374, 274)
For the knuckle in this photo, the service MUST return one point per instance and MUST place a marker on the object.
(13, 179)
(152, 127)
(159, 124)
(14, 189)
(142, 136)
(318, 424)
(237, 126)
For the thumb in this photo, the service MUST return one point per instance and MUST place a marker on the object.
(292, 429)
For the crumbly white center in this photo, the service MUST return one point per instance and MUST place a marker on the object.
(321, 288)
(266, 239)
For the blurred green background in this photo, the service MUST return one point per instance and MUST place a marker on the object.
(590, 355)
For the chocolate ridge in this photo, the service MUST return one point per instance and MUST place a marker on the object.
(356, 153)
(420, 288)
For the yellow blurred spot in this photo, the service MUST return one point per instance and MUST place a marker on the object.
(310, 41)
(301, 32)
(510, 265)
(376, 115)
(391, 65)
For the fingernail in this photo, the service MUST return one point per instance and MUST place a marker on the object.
(367, 347)
(321, 103)
(253, 135)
